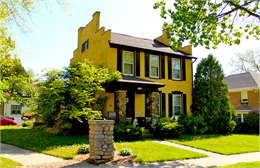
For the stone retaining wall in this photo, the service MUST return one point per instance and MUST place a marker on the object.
(101, 139)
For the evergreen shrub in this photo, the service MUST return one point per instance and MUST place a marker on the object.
(127, 133)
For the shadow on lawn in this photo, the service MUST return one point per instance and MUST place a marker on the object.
(37, 140)
(199, 137)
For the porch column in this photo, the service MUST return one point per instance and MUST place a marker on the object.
(121, 106)
(153, 105)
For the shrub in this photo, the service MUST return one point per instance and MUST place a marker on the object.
(127, 133)
(192, 124)
(166, 128)
(84, 149)
(252, 120)
(126, 152)
(28, 123)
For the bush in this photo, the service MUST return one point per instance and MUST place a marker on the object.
(166, 128)
(28, 123)
(127, 133)
(252, 120)
(126, 152)
(84, 149)
(192, 125)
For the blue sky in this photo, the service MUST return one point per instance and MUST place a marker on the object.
(54, 39)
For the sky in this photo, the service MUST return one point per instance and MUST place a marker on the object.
(55, 34)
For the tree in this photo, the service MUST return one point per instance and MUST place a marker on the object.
(210, 97)
(14, 79)
(246, 62)
(205, 22)
(71, 94)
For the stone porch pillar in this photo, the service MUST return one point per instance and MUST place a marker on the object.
(121, 106)
(101, 140)
(153, 105)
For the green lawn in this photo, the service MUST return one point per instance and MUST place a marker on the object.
(36, 140)
(244, 164)
(67, 146)
(147, 151)
(4, 162)
(223, 144)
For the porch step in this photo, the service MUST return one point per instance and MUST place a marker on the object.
(147, 134)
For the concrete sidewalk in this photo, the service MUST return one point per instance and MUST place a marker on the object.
(26, 157)
(29, 158)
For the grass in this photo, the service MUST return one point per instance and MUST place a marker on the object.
(38, 141)
(4, 162)
(222, 144)
(244, 164)
(147, 151)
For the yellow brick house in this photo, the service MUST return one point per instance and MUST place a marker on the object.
(157, 81)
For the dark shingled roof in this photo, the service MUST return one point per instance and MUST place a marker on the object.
(131, 79)
(244, 107)
(146, 44)
(243, 80)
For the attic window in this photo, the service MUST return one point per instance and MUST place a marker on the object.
(84, 46)
(244, 97)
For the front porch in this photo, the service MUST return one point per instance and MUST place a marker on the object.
(134, 98)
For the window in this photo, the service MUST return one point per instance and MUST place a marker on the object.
(241, 117)
(84, 46)
(154, 66)
(176, 104)
(128, 63)
(176, 69)
(244, 98)
(15, 109)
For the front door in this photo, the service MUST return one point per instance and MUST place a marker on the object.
(130, 106)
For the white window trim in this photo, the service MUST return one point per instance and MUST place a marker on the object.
(177, 69)
(242, 116)
(155, 66)
(128, 63)
(173, 112)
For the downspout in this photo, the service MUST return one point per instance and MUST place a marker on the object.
(195, 59)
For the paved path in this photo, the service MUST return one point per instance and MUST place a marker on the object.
(28, 158)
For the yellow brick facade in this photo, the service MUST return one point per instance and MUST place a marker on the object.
(100, 52)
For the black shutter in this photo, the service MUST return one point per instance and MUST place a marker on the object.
(184, 104)
(119, 60)
(183, 70)
(163, 105)
(146, 65)
(137, 63)
(170, 105)
(163, 67)
(169, 67)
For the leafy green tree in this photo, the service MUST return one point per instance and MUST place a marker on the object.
(69, 95)
(208, 22)
(246, 62)
(210, 96)
(14, 79)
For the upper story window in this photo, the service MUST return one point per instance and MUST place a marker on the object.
(84, 46)
(154, 66)
(128, 63)
(244, 97)
(176, 69)
(176, 98)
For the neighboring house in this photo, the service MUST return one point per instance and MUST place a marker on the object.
(157, 81)
(244, 92)
(13, 109)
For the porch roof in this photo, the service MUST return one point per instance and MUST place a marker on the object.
(131, 83)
